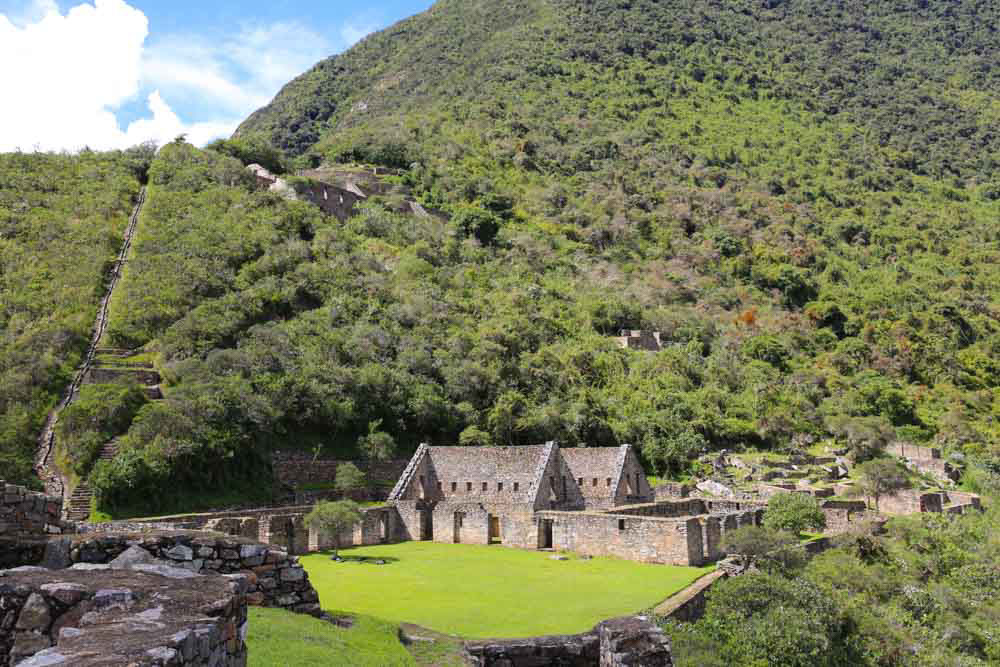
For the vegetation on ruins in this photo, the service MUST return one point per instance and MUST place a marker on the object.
(794, 513)
(489, 592)
(349, 479)
(332, 518)
(881, 476)
(751, 544)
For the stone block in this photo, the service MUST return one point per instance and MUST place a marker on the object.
(35, 615)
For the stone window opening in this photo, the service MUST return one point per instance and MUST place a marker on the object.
(621, 524)
(499, 486)
(516, 487)
(595, 482)
(609, 482)
(579, 481)
(486, 486)
(468, 486)
(440, 487)
(454, 487)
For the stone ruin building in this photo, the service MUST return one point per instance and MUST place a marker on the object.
(636, 339)
(594, 501)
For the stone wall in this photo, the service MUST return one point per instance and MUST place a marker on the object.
(379, 525)
(25, 513)
(667, 509)
(125, 618)
(672, 490)
(905, 450)
(910, 501)
(645, 539)
(297, 469)
(634, 641)
(844, 515)
(275, 579)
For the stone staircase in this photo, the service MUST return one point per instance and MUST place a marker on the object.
(78, 507)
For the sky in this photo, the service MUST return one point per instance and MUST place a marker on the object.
(110, 74)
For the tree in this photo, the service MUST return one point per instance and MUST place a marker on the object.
(333, 518)
(881, 476)
(866, 437)
(751, 543)
(793, 513)
(349, 479)
(377, 445)
(763, 619)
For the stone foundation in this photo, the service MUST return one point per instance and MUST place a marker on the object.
(633, 642)
(123, 618)
(275, 579)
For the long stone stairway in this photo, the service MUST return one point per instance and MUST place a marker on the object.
(45, 468)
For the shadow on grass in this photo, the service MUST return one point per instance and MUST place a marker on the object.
(345, 557)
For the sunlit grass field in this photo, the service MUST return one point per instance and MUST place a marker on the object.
(491, 592)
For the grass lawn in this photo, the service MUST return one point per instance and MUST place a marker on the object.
(279, 637)
(491, 592)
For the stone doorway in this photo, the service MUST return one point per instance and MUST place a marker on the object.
(383, 528)
(546, 541)
(459, 520)
(495, 537)
(426, 525)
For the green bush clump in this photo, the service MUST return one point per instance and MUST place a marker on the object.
(100, 413)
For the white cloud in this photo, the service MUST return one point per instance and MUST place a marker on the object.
(66, 77)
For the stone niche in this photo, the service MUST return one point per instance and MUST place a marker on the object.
(89, 618)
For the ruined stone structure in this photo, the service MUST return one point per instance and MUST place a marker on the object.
(129, 618)
(633, 642)
(81, 597)
(639, 340)
(486, 495)
(294, 472)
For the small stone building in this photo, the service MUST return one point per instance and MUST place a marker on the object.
(490, 495)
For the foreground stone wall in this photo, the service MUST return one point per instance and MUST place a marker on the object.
(24, 513)
(635, 642)
(86, 619)
(274, 578)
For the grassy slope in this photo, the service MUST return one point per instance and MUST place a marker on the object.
(277, 637)
(61, 222)
(489, 592)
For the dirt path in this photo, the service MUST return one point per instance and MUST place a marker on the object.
(46, 470)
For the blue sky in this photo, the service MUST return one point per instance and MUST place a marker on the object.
(110, 73)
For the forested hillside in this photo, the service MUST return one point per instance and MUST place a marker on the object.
(61, 223)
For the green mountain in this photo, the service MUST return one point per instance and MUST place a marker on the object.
(800, 196)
